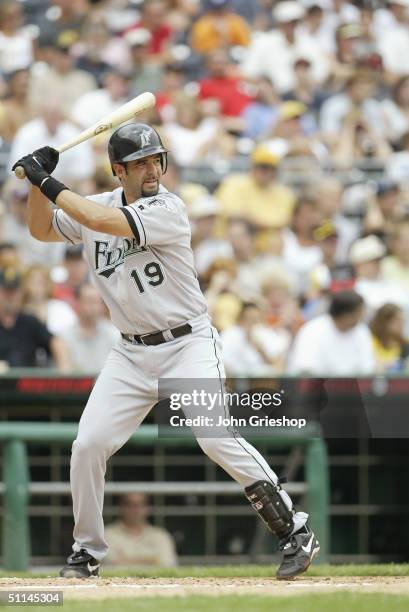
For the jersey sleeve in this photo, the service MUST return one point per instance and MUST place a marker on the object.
(158, 220)
(68, 229)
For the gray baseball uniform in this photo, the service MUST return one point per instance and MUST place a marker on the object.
(149, 284)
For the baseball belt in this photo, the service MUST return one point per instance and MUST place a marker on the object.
(159, 337)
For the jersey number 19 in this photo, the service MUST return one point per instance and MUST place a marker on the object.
(153, 276)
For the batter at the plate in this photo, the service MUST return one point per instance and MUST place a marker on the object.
(137, 244)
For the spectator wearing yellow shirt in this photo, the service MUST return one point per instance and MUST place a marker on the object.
(135, 542)
(219, 27)
(390, 346)
(256, 196)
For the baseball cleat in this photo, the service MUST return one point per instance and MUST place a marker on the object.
(80, 565)
(299, 549)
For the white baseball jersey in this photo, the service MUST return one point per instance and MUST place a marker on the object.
(148, 282)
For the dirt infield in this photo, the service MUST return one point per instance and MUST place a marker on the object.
(104, 588)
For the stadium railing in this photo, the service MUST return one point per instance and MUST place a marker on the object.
(17, 487)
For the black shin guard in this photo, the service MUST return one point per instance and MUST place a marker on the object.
(267, 501)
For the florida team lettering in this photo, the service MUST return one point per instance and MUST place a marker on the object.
(106, 259)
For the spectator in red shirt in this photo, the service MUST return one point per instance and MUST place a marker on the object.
(224, 85)
(153, 18)
(75, 274)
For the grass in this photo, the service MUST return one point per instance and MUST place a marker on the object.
(337, 602)
(231, 571)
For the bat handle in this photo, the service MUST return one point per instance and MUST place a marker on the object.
(19, 172)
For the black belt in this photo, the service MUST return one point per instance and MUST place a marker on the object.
(159, 337)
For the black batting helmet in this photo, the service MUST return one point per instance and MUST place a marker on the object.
(135, 141)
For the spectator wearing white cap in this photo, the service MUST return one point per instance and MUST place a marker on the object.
(273, 53)
(206, 247)
(334, 344)
(365, 256)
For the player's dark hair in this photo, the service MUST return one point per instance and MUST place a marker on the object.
(345, 302)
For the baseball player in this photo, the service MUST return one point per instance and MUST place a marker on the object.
(136, 242)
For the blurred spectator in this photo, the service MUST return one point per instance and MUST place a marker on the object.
(263, 20)
(133, 541)
(70, 277)
(305, 88)
(14, 227)
(206, 247)
(328, 193)
(334, 344)
(292, 133)
(15, 109)
(328, 276)
(91, 338)
(220, 83)
(251, 348)
(359, 141)
(301, 252)
(59, 77)
(193, 137)
(315, 28)
(348, 37)
(385, 209)
(91, 50)
(76, 166)
(56, 315)
(16, 47)
(284, 43)
(173, 80)
(223, 301)
(396, 110)
(257, 196)
(92, 106)
(394, 43)
(154, 19)
(398, 166)
(66, 17)
(241, 236)
(144, 74)
(22, 336)
(390, 345)
(395, 267)
(356, 102)
(260, 115)
(219, 27)
(9, 256)
(365, 256)
(283, 310)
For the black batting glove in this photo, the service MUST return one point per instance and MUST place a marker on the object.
(48, 157)
(33, 169)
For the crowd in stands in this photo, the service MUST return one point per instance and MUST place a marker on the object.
(288, 126)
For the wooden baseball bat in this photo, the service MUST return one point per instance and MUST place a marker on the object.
(127, 111)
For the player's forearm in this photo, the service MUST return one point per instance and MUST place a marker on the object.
(39, 214)
(92, 215)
